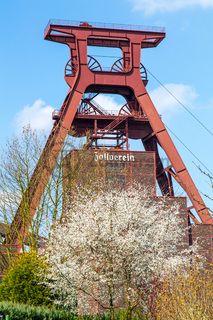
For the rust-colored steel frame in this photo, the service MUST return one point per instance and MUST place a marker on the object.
(128, 83)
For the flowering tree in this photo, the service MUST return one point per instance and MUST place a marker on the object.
(111, 247)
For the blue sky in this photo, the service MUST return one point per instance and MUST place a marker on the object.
(31, 69)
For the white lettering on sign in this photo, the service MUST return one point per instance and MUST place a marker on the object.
(113, 157)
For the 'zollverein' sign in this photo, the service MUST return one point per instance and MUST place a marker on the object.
(113, 157)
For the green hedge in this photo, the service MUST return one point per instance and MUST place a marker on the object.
(18, 311)
(25, 312)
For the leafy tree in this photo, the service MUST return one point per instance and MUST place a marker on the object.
(17, 163)
(23, 281)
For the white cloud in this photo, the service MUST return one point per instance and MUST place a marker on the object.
(38, 115)
(166, 103)
(150, 7)
(108, 103)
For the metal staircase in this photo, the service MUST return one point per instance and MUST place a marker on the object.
(112, 125)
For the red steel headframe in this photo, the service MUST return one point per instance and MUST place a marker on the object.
(81, 79)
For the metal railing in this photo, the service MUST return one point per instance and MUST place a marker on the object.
(104, 25)
(112, 112)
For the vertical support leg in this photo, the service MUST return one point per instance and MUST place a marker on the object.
(150, 144)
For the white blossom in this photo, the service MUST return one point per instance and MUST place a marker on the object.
(115, 244)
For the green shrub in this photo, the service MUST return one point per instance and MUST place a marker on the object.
(22, 282)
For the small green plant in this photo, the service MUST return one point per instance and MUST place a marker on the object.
(22, 282)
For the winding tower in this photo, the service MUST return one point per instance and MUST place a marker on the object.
(137, 119)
